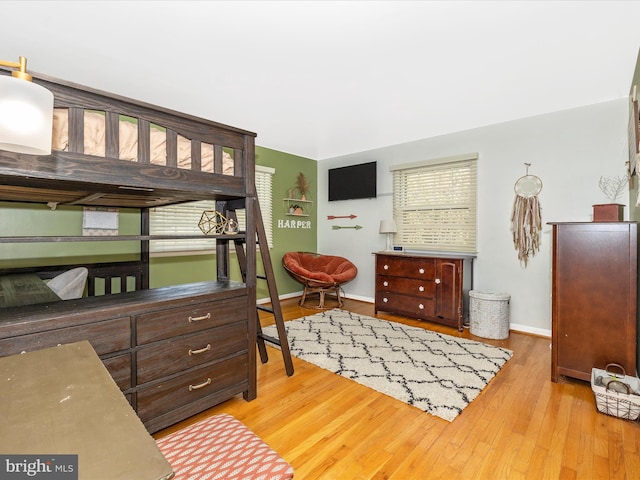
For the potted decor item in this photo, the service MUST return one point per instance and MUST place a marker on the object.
(302, 185)
(612, 187)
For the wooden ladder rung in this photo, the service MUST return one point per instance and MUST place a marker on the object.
(270, 339)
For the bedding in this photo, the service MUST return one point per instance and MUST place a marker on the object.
(70, 284)
(24, 289)
(94, 142)
(17, 289)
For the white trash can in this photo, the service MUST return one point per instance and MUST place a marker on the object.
(489, 314)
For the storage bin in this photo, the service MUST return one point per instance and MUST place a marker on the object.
(617, 395)
(489, 314)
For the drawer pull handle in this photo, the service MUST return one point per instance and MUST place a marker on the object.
(385, 299)
(385, 283)
(386, 267)
(421, 270)
(437, 281)
(421, 288)
(203, 384)
(198, 319)
(202, 350)
(421, 307)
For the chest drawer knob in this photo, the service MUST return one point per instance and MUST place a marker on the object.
(385, 299)
(201, 350)
(199, 319)
(421, 307)
(200, 385)
(385, 283)
(421, 288)
(437, 281)
(386, 267)
(421, 271)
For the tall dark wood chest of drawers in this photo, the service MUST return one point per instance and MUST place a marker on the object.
(421, 286)
(594, 297)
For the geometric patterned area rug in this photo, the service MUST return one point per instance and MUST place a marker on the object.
(221, 447)
(436, 373)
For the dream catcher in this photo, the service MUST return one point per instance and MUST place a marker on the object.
(526, 220)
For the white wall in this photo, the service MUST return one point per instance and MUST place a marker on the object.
(569, 150)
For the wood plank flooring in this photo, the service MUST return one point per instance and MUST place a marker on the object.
(522, 426)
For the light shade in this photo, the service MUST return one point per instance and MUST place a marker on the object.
(388, 226)
(26, 116)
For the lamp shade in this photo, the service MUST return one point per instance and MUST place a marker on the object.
(26, 116)
(388, 226)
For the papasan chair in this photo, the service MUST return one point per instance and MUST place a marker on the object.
(319, 273)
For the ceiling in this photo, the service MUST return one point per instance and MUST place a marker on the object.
(321, 79)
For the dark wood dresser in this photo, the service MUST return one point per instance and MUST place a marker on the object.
(173, 351)
(594, 297)
(427, 287)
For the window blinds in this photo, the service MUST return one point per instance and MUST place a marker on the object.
(183, 219)
(434, 204)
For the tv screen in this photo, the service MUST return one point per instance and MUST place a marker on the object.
(353, 182)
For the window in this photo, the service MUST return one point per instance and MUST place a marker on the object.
(434, 204)
(183, 219)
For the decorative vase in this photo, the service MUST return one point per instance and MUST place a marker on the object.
(231, 228)
(608, 212)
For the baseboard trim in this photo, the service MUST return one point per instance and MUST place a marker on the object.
(515, 327)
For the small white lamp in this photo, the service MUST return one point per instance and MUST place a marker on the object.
(26, 112)
(388, 227)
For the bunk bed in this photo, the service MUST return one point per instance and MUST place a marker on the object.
(174, 351)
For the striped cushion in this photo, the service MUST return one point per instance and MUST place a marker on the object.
(221, 447)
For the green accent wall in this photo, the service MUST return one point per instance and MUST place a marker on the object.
(289, 233)
(27, 219)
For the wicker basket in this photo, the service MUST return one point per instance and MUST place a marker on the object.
(489, 314)
(616, 394)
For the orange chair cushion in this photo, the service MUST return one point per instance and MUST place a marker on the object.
(327, 269)
(222, 447)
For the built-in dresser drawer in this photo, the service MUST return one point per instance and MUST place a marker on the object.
(158, 399)
(169, 323)
(120, 369)
(405, 304)
(176, 354)
(406, 267)
(105, 337)
(409, 286)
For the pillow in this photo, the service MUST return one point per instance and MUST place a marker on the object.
(70, 284)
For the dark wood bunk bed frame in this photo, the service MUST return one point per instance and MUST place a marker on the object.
(174, 351)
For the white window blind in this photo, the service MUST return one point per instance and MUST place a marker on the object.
(434, 204)
(264, 182)
(183, 219)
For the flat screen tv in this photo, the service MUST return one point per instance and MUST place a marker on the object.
(353, 182)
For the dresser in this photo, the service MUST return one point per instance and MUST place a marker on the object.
(173, 351)
(594, 297)
(428, 287)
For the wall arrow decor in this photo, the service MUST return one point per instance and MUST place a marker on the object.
(333, 217)
(338, 227)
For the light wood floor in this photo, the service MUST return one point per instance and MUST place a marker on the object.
(522, 426)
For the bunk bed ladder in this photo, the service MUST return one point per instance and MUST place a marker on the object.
(275, 309)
